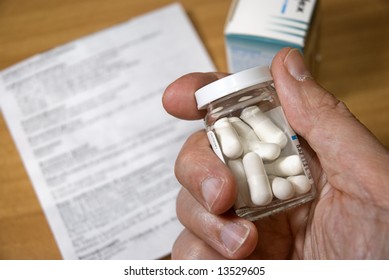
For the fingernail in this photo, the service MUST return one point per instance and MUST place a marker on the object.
(233, 235)
(211, 189)
(295, 65)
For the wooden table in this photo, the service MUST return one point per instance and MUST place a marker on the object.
(354, 43)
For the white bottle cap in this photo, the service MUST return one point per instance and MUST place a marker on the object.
(231, 84)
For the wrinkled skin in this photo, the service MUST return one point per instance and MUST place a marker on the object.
(349, 219)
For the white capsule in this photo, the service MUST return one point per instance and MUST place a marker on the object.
(228, 138)
(267, 151)
(300, 183)
(263, 126)
(282, 188)
(246, 134)
(243, 129)
(251, 143)
(216, 110)
(237, 169)
(285, 166)
(257, 179)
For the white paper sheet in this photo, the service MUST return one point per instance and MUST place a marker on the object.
(88, 122)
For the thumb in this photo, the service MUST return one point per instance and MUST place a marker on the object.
(348, 152)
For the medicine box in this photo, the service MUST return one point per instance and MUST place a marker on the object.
(257, 29)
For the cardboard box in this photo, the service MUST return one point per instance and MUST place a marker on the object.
(257, 29)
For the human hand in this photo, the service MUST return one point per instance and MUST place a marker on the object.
(349, 218)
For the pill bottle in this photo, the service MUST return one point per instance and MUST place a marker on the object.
(249, 132)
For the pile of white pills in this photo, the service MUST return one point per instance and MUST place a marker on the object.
(252, 144)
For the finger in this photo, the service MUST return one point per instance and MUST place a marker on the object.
(347, 151)
(189, 247)
(204, 175)
(178, 98)
(229, 235)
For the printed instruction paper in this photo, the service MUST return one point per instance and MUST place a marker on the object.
(95, 140)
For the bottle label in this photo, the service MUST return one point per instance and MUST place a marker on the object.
(215, 145)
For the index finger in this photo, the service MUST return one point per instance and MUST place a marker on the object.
(178, 98)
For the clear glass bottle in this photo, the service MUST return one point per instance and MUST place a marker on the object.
(248, 131)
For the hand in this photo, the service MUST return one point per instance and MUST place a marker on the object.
(349, 218)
